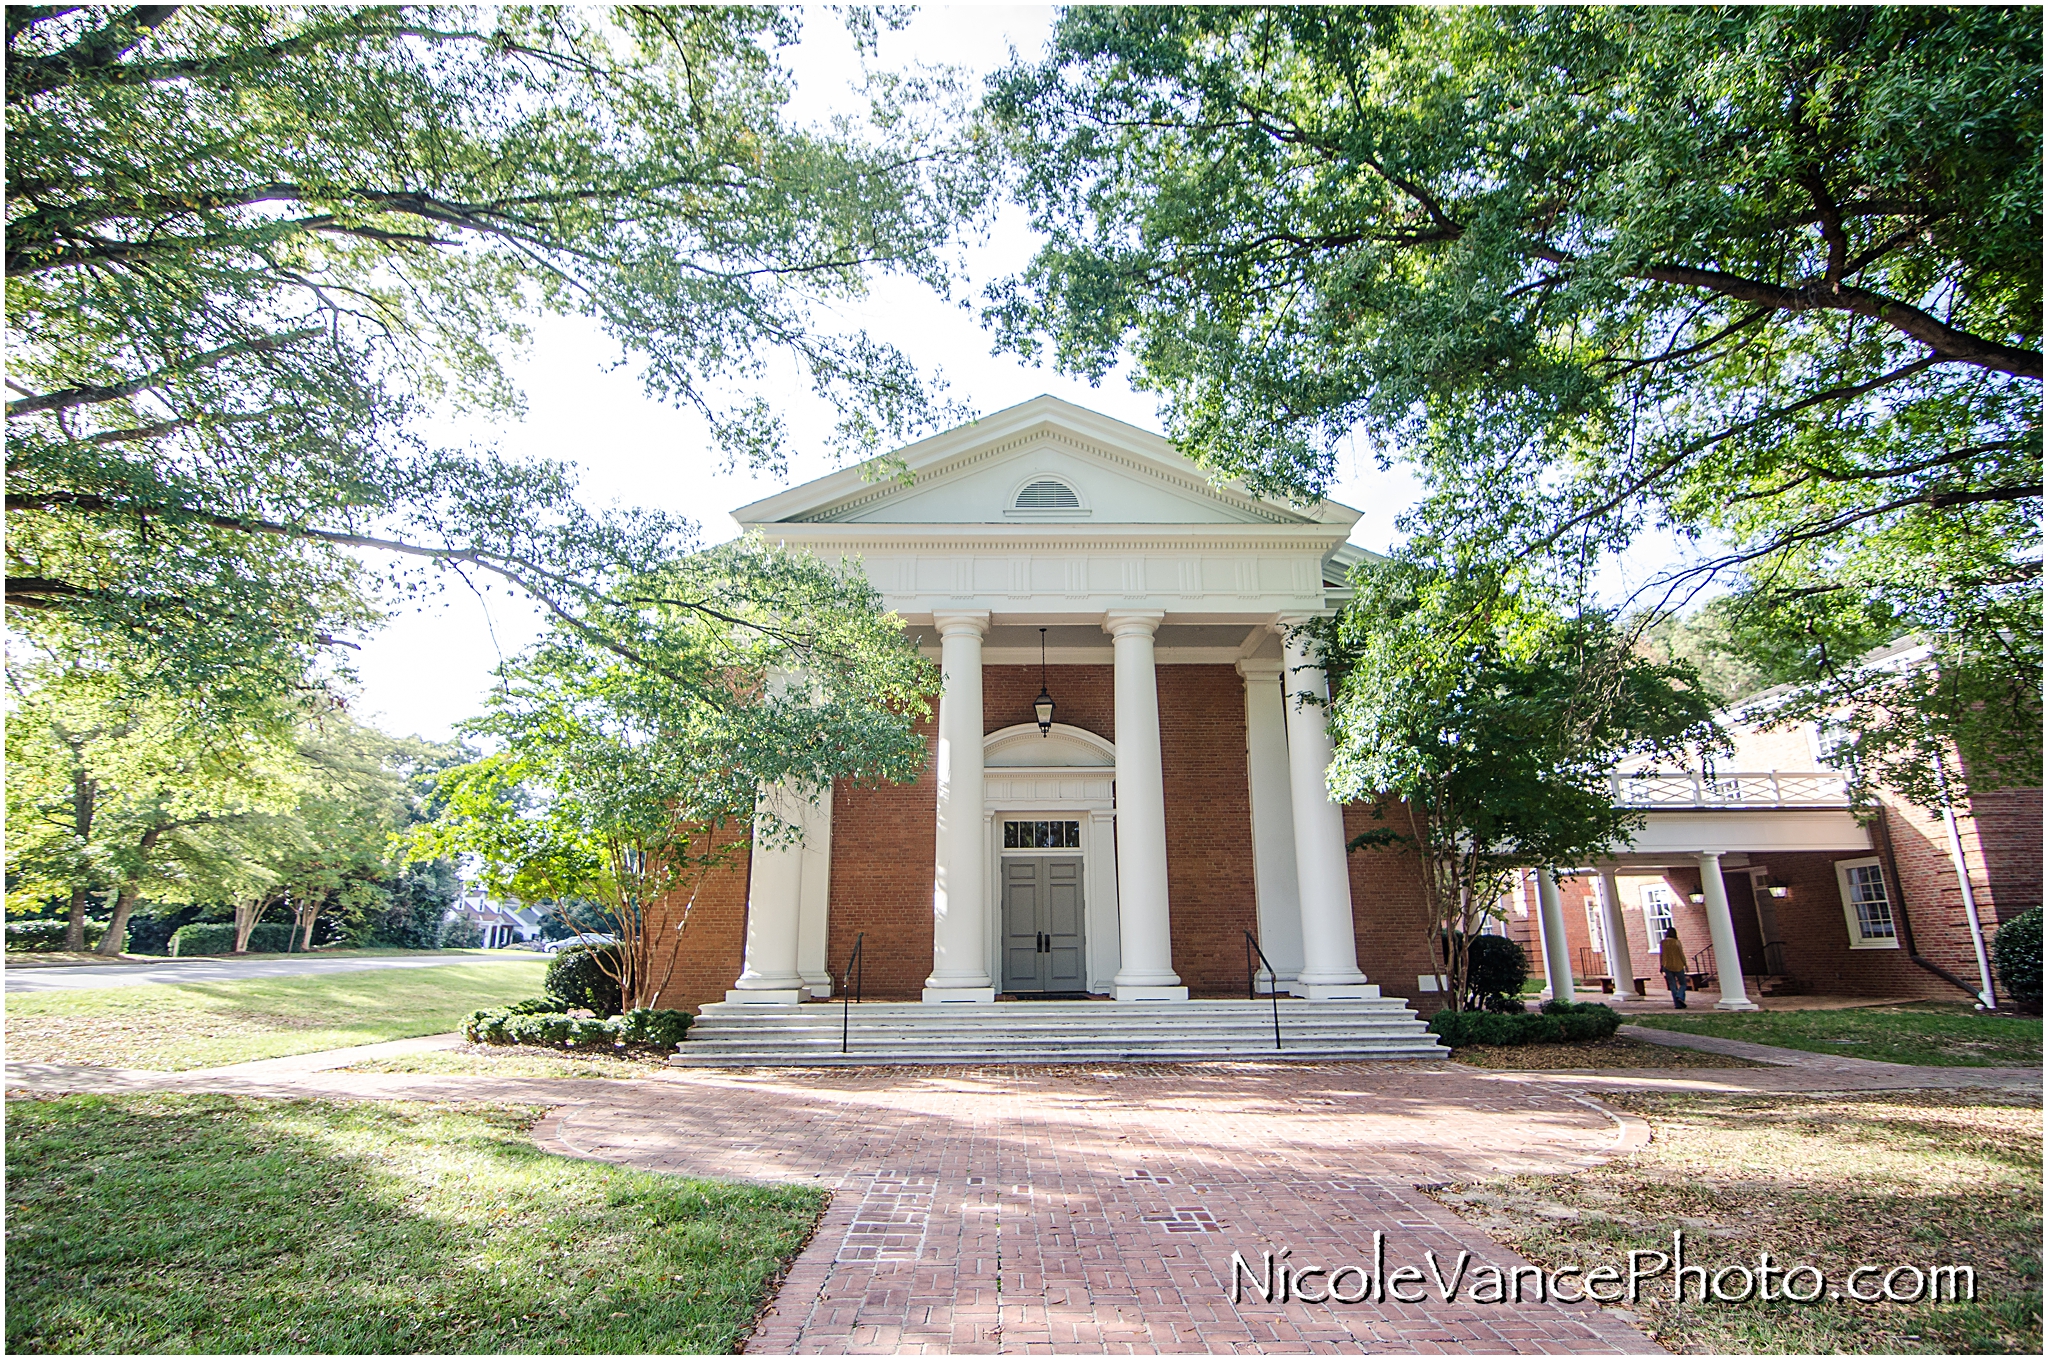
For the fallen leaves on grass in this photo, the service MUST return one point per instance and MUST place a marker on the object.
(1896, 1178)
(1600, 1053)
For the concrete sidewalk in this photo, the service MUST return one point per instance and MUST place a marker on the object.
(48, 978)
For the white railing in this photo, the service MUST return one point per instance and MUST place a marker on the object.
(1729, 789)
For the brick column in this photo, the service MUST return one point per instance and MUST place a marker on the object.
(1277, 891)
(1144, 927)
(1328, 942)
(960, 871)
(1721, 927)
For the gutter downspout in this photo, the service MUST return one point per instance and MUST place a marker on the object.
(1891, 868)
(1986, 999)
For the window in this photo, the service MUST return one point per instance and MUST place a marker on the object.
(1596, 929)
(1047, 493)
(1041, 835)
(1657, 904)
(1866, 905)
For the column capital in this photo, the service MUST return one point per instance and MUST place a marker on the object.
(1261, 670)
(954, 622)
(1132, 622)
(1714, 855)
(1287, 623)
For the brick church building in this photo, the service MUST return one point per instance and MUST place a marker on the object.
(1173, 803)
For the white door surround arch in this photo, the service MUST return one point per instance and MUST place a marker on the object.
(1067, 775)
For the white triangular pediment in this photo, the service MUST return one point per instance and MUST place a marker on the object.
(1087, 468)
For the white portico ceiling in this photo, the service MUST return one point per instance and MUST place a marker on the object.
(1115, 519)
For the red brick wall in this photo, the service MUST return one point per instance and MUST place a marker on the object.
(884, 844)
(695, 965)
(1389, 919)
(2007, 823)
(1083, 697)
(1209, 885)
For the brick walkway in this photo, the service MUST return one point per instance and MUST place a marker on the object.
(1054, 1210)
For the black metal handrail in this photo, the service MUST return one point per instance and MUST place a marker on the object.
(1706, 969)
(1251, 981)
(849, 987)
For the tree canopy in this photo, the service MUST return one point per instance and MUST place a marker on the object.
(1767, 276)
(1492, 751)
(250, 249)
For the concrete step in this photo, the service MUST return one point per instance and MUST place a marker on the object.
(730, 1035)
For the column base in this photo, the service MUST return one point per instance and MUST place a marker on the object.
(942, 995)
(819, 986)
(767, 996)
(1736, 1003)
(1337, 991)
(1129, 992)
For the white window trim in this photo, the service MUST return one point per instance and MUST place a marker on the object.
(1650, 925)
(1857, 939)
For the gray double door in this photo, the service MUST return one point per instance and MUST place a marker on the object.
(1042, 948)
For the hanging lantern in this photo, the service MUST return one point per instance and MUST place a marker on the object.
(1043, 704)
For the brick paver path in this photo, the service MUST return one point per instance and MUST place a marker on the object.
(1062, 1210)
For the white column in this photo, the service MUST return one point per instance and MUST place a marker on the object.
(1621, 961)
(1278, 892)
(813, 899)
(1144, 926)
(1557, 949)
(1329, 945)
(959, 925)
(774, 884)
(1721, 927)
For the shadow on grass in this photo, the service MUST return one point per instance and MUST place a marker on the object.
(221, 1224)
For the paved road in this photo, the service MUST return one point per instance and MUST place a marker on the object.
(227, 970)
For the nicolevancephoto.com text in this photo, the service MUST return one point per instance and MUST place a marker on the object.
(1277, 1278)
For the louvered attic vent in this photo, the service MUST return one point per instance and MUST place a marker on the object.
(1048, 495)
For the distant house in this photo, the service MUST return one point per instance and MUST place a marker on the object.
(1775, 887)
(499, 922)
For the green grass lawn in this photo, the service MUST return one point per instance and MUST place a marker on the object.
(1928, 1034)
(176, 1026)
(214, 1223)
(1918, 1178)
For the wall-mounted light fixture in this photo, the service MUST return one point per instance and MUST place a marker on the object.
(1696, 898)
(1043, 704)
(1779, 889)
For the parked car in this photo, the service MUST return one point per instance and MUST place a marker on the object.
(556, 946)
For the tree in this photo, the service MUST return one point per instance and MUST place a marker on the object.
(1768, 276)
(251, 248)
(1481, 723)
(113, 787)
(621, 782)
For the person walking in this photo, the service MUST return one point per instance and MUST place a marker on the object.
(1671, 958)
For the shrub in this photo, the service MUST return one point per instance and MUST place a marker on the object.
(2016, 953)
(218, 937)
(1495, 969)
(1559, 1022)
(543, 1022)
(578, 977)
(42, 937)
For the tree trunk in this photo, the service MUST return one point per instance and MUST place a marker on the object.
(117, 929)
(84, 793)
(247, 913)
(74, 924)
(308, 913)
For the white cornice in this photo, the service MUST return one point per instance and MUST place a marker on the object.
(1012, 538)
(1042, 419)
